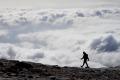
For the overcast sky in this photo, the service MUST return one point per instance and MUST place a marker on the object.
(58, 37)
(58, 3)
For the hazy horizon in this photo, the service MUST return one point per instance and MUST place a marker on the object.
(58, 4)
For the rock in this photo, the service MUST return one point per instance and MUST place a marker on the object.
(15, 70)
(52, 78)
(18, 67)
(1, 64)
(30, 76)
(57, 78)
(23, 65)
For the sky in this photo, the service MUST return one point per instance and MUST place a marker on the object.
(58, 37)
(56, 32)
(58, 3)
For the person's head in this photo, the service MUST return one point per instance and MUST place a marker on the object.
(84, 52)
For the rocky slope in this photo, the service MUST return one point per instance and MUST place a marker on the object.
(16, 70)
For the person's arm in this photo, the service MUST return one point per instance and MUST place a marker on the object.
(88, 58)
(81, 58)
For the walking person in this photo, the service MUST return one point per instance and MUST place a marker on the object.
(85, 59)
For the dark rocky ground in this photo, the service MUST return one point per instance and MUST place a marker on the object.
(15, 70)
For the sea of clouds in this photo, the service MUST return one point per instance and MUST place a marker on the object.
(59, 36)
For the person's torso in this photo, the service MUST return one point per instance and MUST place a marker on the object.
(85, 56)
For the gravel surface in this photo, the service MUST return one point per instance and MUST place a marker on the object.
(15, 70)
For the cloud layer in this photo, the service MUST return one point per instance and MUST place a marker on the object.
(107, 44)
(60, 36)
(57, 3)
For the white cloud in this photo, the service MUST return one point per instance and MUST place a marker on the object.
(60, 36)
(58, 3)
(3, 34)
(36, 56)
(107, 44)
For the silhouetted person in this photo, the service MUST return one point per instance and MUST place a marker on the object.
(86, 58)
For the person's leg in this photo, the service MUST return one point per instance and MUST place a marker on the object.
(83, 63)
(87, 64)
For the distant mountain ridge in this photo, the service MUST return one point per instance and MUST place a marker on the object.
(16, 70)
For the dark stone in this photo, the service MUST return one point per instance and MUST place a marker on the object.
(1, 64)
(23, 65)
(19, 67)
(30, 76)
(52, 78)
(15, 70)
